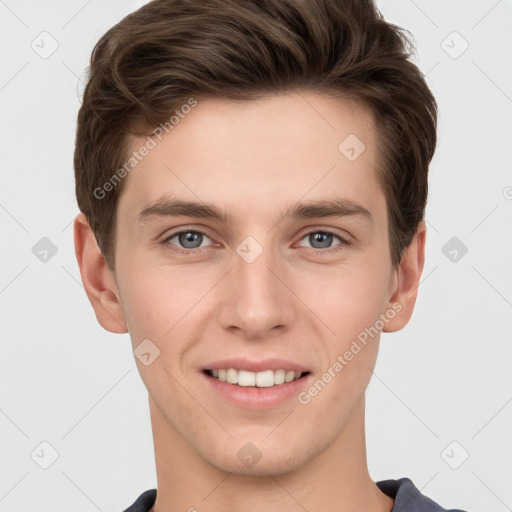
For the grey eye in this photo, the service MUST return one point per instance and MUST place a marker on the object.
(320, 239)
(188, 239)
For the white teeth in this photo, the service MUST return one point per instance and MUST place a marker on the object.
(263, 379)
(244, 378)
(232, 376)
(279, 376)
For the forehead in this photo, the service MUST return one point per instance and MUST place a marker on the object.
(269, 152)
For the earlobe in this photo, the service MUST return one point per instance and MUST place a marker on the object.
(407, 281)
(96, 276)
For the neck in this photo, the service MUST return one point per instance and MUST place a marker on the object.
(335, 480)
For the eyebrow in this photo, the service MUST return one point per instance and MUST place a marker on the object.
(337, 207)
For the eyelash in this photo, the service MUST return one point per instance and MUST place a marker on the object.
(192, 252)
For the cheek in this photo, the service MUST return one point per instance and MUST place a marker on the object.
(347, 298)
(351, 307)
(159, 300)
(146, 298)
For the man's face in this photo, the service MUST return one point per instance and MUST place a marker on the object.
(259, 285)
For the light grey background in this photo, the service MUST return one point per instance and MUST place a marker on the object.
(442, 387)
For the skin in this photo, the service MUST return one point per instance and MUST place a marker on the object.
(253, 159)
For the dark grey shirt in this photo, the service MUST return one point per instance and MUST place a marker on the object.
(407, 498)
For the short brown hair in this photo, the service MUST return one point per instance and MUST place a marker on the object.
(157, 58)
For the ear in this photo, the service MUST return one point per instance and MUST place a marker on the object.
(406, 281)
(98, 279)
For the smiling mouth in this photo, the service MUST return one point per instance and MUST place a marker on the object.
(264, 379)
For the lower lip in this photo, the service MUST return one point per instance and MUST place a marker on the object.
(252, 397)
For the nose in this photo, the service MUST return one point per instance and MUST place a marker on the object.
(256, 301)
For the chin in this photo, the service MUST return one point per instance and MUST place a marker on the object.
(270, 459)
(270, 467)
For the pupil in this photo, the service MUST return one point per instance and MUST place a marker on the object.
(324, 239)
(190, 236)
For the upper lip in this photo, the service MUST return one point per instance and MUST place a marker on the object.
(256, 366)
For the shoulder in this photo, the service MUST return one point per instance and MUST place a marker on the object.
(144, 502)
(408, 498)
